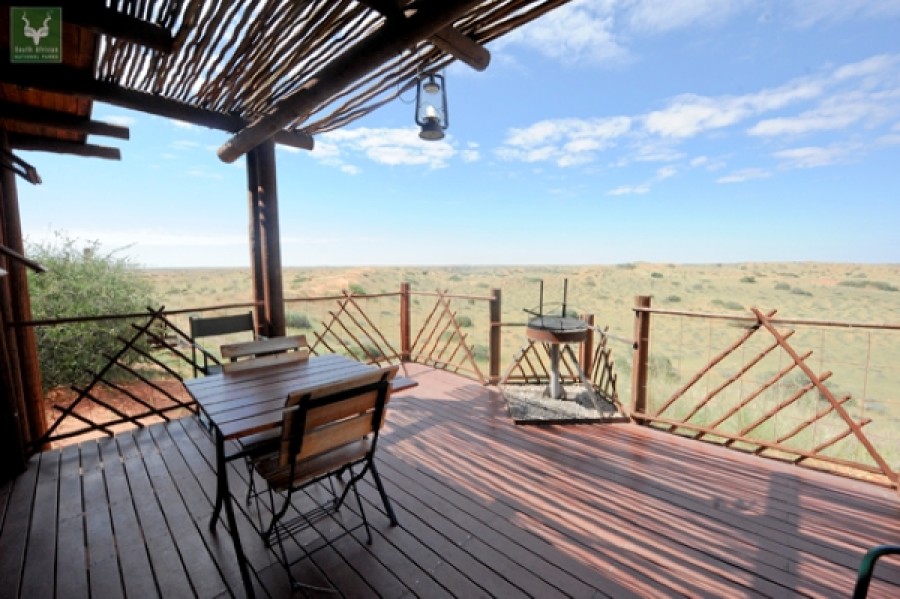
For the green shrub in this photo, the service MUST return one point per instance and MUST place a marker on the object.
(295, 320)
(463, 321)
(782, 287)
(656, 275)
(798, 291)
(748, 279)
(727, 305)
(481, 353)
(81, 281)
(357, 289)
(673, 299)
(880, 285)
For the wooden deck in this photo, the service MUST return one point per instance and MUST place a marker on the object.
(486, 508)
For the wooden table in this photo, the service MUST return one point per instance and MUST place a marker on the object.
(246, 402)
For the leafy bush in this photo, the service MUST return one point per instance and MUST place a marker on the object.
(81, 281)
(463, 321)
(295, 320)
(656, 275)
(481, 353)
(880, 285)
(748, 279)
(782, 287)
(357, 289)
(798, 291)
(728, 305)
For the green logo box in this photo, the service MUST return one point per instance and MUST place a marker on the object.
(35, 34)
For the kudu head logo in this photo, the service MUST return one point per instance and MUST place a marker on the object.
(36, 34)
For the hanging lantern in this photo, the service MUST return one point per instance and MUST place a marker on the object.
(431, 107)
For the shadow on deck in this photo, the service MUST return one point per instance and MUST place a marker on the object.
(486, 508)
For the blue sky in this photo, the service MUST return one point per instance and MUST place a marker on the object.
(677, 131)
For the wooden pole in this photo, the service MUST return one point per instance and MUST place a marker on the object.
(405, 322)
(641, 368)
(257, 273)
(271, 239)
(495, 316)
(587, 346)
(24, 339)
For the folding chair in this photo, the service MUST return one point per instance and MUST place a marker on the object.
(326, 432)
(216, 326)
(867, 568)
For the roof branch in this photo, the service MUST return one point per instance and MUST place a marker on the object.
(42, 144)
(60, 120)
(392, 38)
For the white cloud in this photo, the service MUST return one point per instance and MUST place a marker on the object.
(747, 174)
(575, 33)
(184, 144)
(812, 156)
(809, 13)
(629, 190)
(181, 124)
(393, 147)
(472, 153)
(689, 114)
(666, 172)
(567, 142)
(654, 16)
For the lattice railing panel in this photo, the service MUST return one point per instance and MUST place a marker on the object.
(350, 330)
(759, 393)
(122, 394)
(440, 342)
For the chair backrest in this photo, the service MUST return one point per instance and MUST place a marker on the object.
(264, 347)
(332, 416)
(221, 325)
(215, 326)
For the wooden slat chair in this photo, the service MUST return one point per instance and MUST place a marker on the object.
(216, 326)
(326, 432)
(264, 352)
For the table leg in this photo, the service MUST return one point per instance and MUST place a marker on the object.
(223, 496)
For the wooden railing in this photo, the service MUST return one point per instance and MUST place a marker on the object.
(739, 398)
(755, 391)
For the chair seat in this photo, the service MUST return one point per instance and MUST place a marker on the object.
(279, 477)
(257, 445)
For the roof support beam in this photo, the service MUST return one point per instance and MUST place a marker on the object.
(393, 37)
(42, 144)
(449, 39)
(66, 80)
(462, 47)
(60, 120)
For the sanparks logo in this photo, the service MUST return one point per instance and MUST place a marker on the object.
(35, 34)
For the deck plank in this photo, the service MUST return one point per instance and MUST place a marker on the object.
(103, 567)
(485, 508)
(70, 548)
(40, 557)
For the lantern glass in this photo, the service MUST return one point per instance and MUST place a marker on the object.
(431, 106)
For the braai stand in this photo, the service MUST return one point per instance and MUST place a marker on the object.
(556, 331)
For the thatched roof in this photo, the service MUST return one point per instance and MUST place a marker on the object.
(258, 68)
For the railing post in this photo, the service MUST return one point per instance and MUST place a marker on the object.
(494, 367)
(641, 367)
(405, 349)
(587, 346)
